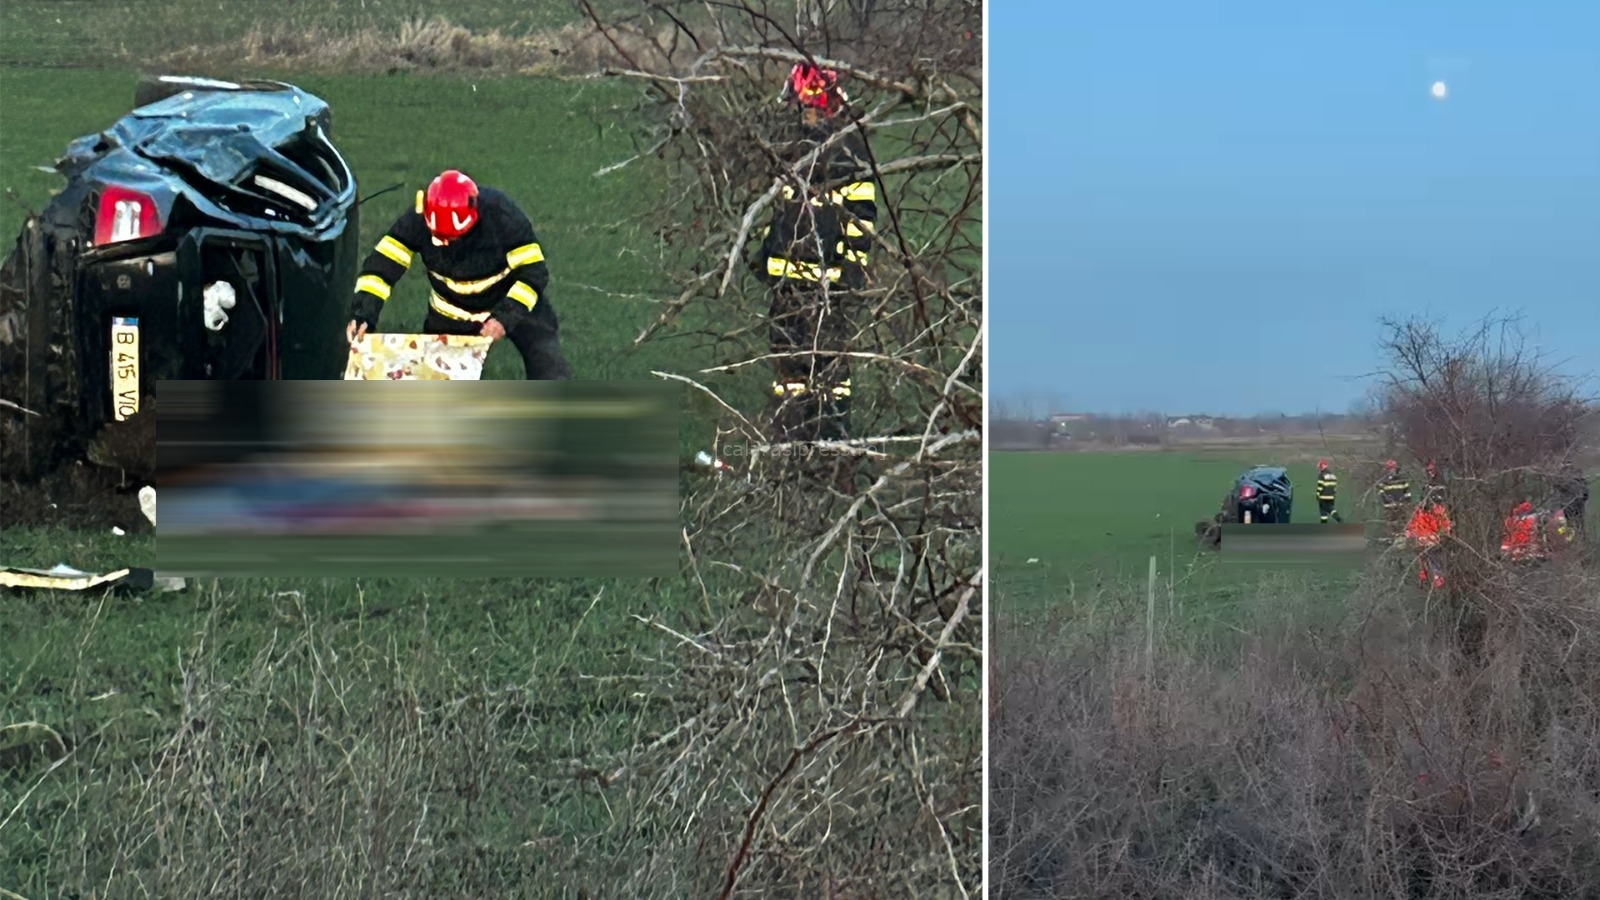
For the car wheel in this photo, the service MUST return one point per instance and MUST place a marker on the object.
(38, 369)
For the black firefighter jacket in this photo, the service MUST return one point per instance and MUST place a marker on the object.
(497, 268)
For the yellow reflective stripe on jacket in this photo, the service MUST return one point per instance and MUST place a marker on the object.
(395, 250)
(789, 388)
(375, 286)
(851, 229)
(472, 287)
(842, 389)
(861, 190)
(452, 311)
(778, 267)
(419, 201)
(523, 294)
(526, 255)
(856, 256)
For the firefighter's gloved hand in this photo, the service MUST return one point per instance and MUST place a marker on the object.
(219, 297)
(364, 315)
(493, 329)
(509, 313)
(355, 331)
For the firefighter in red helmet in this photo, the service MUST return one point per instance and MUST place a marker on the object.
(1394, 495)
(1327, 493)
(813, 254)
(486, 272)
(1434, 491)
(1520, 539)
(1430, 524)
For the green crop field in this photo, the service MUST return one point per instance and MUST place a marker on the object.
(497, 694)
(1071, 524)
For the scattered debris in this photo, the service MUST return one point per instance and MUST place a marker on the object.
(117, 530)
(706, 460)
(63, 577)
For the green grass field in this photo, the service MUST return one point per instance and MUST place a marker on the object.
(541, 141)
(1092, 520)
(547, 671)
(76, 33)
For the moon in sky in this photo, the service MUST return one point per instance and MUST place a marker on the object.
(1439, 90)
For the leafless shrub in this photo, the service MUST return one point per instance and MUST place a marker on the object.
(828, 739)
(1500, 423)
(1375, 761)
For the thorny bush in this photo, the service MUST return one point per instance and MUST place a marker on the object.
(834, 745)
(1503, 426)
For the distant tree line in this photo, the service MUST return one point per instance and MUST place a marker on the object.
(1013, 426)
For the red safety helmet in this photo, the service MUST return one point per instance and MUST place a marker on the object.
(814, 87)
(450, 205)
(1322, 465)
(1391, 465)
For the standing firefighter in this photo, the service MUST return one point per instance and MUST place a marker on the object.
(1435, 491)
(1327, 493)
(1394, 494)
(485, 268)
(1572, 491)
(814, 254)
(1429, 525)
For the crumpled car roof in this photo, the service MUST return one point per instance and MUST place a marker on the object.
(1265, 474)
(215, 136)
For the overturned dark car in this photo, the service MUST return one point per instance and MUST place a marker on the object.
(1263, 495)
(211, 233)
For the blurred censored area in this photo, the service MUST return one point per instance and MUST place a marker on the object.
(1285, 544)
(444, 478)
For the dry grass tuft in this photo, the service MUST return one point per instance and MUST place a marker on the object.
(433, 45)
(1378, 761)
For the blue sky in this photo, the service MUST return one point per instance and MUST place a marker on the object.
(1165, 174)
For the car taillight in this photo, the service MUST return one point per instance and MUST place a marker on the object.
(125, 215)
(1247, 492)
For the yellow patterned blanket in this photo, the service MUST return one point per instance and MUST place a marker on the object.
(417, 357)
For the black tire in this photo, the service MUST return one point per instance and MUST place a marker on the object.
(38, 368)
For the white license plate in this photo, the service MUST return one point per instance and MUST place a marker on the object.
(124, 367)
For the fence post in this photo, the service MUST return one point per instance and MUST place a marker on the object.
(1150, 622)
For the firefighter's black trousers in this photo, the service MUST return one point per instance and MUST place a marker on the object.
(1575, 511)
(536, 338)
(1327, 511)
(811, 377)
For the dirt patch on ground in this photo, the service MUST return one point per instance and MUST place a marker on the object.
(78, 496)
(437, 45)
